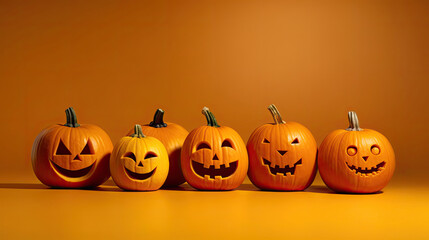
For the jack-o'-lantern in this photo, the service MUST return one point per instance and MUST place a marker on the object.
(72, 155)
(282, 156)
(356, 160)
(172, 136)
(139, 162)
(214, 157)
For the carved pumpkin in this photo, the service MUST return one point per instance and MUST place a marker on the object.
(356, 160)
(214, 157)
(172, 136)
(72, 155)
(139, 163)
(282, 156)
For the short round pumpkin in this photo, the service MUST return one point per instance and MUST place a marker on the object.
(72, 155)
(282, 156)
(214, 157)
(139, 162)
(356, 160)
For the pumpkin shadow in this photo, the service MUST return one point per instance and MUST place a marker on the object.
(23, 186)
(319, 189)
(41, 186)
(187, 187)
(109, 182)
(182, 187)
(247, 187)
(326, 190)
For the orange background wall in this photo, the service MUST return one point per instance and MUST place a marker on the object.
(116, 62)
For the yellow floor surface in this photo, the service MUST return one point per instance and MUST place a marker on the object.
(33, 211)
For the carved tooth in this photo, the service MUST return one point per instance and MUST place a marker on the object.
(206, 165)
(374, 173)
(218, 177)
(288, 174)
(226, 165)
(206, 177)
(217, 166)
(279, 174)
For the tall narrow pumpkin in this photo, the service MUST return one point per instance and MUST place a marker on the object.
(72, 155)
(282, 156)
(356, 160)
(172, 136)
(214, 157)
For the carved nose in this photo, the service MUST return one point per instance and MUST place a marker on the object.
(365, 158)
(140, 164)
(77, 158)
(282, 152)
(215, 157)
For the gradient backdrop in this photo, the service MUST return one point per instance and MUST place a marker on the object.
(115, 62)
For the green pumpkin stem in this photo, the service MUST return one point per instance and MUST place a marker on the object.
(211, 120)
(276, 114)
(71, 118)
(158, 119)
(138, 131)
(353, 122)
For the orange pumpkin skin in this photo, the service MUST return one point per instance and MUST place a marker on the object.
(282, 156)
(356, 160)
(172, 136)
(72, 156)
(214, 157)
(139, 162)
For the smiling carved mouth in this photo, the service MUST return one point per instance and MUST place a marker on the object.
(277, 170)
(212, 172)
(72, 173)
(139, 176)
(372, 171)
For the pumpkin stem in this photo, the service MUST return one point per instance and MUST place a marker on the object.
(138, 131)
(211, 120)
(353, 122)
(71, 118)
(276, 114)
(158, 119)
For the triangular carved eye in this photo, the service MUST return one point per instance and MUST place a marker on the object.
(266, 141)
(62, 149)
(87, 149)
(295, 141)
(130, 155)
